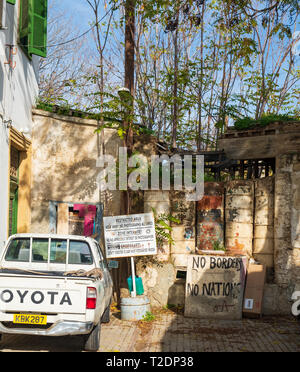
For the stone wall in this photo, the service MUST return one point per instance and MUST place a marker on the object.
(287, 230)
(261, 221)
(263, 243)
(184, 232)
(210, 217)
(239, 217)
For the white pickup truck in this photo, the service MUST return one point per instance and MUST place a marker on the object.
(54, 285)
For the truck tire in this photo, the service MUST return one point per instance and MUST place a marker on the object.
(92, 340)
(106, 315)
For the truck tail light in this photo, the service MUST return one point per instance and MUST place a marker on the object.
(91, 298)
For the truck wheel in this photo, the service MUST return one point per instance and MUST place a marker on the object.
(92, 341)
(106, 315)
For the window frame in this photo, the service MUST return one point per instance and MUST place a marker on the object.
(48, 262)
(28, 32)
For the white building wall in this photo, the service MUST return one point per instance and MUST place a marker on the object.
(3, 184)
(18, 92)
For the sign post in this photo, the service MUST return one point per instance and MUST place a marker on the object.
(133, 293)
(130, 236)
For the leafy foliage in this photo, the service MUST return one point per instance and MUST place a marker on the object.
(162, 227)
(248, 123)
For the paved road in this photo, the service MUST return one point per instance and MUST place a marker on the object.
(172, 332)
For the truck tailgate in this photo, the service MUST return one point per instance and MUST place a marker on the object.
(25, 293)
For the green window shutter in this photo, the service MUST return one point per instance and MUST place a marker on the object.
(14, 227)
(11, 1)
(33, 26)
(24, 24)
(38, 39)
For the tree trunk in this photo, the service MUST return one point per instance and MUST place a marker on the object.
(175, 90)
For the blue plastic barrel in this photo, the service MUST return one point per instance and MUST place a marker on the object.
(138, 284)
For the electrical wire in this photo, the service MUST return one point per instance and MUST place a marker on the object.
(112, 9)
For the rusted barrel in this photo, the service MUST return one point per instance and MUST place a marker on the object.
(239, 217)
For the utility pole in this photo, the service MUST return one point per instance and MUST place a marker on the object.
(128, 93)
(129, 66)
(128, 99)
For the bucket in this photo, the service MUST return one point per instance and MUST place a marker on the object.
(134, 308)
(138, 285)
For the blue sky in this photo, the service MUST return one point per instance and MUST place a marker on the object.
(79, 10)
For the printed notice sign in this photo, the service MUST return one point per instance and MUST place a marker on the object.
(129, 236)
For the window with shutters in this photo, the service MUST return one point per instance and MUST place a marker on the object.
(2, 14)
(33, 27)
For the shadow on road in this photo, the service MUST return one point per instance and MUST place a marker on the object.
(40, 343)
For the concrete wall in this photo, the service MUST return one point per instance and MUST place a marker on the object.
(19, 85)
(276, 239)
(210, 217)
(159, 201)
(286, 230)
(64, 157)
(18, 92)
(239, 217)
(4, 171)
(184, 232)
(263, 243)
(261, 143)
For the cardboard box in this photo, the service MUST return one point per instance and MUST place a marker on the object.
(254, 290)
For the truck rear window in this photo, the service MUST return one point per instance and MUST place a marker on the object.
(40, 250)
(79, 251)
(18, 250)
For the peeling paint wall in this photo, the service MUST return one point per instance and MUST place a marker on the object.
(64, 157)
(210, 217)
(239, 217)
(184, 233)
(263, 243)
(286, 231)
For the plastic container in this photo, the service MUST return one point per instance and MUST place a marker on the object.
(138, 284)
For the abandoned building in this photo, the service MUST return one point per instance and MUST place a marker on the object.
(251, 208)
(255, 212)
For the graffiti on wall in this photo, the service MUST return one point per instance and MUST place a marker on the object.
(215, 286)
(210, 215)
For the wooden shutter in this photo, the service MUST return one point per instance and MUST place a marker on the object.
(24, 24)
(33, 26)
(2, 13)
(38, 35)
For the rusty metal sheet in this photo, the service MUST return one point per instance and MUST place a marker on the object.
(210, 215)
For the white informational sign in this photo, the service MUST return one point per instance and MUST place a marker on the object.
(129, 236)
(248, 305)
